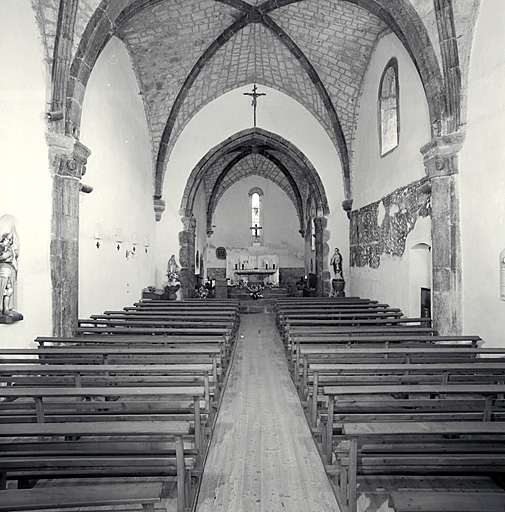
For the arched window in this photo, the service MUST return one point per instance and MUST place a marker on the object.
(255, 196)
(389, 118)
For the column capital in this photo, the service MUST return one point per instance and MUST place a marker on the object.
(159, 208)
(347, 205)
(67, 155)
(441, 153)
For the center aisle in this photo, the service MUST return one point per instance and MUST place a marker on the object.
(262, 456)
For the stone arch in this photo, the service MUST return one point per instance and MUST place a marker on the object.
(243, 143)
(258, 138)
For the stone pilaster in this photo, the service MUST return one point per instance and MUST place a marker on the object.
(323, 278)
(187, 256)
(441, 165)
(68, 159)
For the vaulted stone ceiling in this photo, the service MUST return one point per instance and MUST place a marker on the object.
(167, 40)
(187, 53)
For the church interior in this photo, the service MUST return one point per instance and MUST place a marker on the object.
(251, 189)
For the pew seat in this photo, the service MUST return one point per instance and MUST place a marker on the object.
(440, 501)
(145, 494)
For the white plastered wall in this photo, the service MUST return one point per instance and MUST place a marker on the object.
(114, 128)
(25, 181)
(482, 179)
(374, 177)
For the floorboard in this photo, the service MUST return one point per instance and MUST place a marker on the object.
(262, 456)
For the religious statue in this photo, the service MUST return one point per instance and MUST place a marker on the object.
(336, 262)
(338, 283)
(9, 253)
(173, 285)
(172, 269)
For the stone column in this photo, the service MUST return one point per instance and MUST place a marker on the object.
(187, 256)
(441, 165)
(68, 159)
(323, 278)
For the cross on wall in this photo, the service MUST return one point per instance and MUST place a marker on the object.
(256, 233)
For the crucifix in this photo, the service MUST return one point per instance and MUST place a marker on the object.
(256, 233)
(255, 95)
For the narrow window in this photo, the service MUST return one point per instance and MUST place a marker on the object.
(389, 118)
(255, 195)
(255, 205)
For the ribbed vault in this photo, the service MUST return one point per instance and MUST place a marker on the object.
(255, 152)
(187, 53)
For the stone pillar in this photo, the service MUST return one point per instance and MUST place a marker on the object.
(441, 165)
(187, 256)
(323, 278)
(68, 159)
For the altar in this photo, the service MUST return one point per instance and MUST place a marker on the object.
(252, 266)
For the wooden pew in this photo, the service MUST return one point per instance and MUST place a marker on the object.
(338, 306)
(177, 315)
(436, 352)
(194, 344)
(140, 340)
(440, 501)
(103, 450)
(108, 404)
(160, 318)
(148, 330)
(410, 403)
(323, 346)
(357, 322)
(339, 318)
(185, 305)
(329, 300)
(78, 496)
(75, 354)
(478, 370)
(331, 332)
(341, 315)
(89, 375)
(134, 320)
(417, 448)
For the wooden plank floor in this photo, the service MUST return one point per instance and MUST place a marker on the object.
(262, 456)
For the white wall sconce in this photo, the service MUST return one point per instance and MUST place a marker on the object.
(118, 237)
(146, 243)
(97, 234)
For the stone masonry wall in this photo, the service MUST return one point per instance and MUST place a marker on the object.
(382, 227)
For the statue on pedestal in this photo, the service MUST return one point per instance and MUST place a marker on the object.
(338, 283)
(173, 285)
(9, 253)
(336, 263)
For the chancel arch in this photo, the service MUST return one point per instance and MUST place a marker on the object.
(264, 156)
